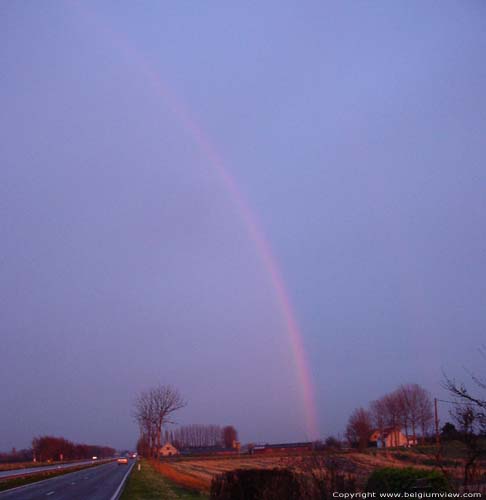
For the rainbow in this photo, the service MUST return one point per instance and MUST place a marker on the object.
(248, 217)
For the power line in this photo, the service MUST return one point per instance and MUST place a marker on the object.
(464, 403)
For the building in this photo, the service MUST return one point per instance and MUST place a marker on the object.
(391, 437)
(168, 450)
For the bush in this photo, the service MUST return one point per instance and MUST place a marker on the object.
(259, 484)
(394, 480)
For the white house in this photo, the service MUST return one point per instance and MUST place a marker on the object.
(389, 438)
(168, 450)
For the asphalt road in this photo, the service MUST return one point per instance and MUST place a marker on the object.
(98, 483)
(30, 470)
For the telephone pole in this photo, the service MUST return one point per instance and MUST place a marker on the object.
(437, 435)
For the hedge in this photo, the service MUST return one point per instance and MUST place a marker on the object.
(409, 479)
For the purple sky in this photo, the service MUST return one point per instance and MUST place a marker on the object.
(355, 130)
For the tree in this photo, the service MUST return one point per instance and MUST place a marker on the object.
(426, 412)
(409, 408)
(198, 436)
(332, 443)
(49, 448)
(143, 447)
(154, 409)
(388, 412)
(463, 394)
(144, 414)
(359, 428)
(470, 422)
(378, 415)
(470, 416)
(449, 432)
(415, 404)
(230, 436)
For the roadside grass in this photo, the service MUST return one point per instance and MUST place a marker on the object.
(7, 484)
(28, 465)
(148, 484)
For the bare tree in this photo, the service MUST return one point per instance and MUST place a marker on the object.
(426, 412)
(416, 408)
(409, 408)
(470, 422)
(470, 415)
(198, 436)
(166, 401)
(393, 413)
(462, 393)
(144, 414)
(230, 436)
(153, 410)
(359, 428)
(378, 415)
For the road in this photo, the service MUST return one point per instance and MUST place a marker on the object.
(31, 470)
(98, 483)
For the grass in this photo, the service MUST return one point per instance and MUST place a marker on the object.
(196, 474)
(6, 484)
(27, 465)
(149, 484)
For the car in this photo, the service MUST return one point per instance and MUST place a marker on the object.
(122, 460)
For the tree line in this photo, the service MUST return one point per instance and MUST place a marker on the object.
(23, 455)
(46, 448)
(408, 408)
(204, 436)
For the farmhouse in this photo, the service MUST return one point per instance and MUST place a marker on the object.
(168, 450)
(389, 438)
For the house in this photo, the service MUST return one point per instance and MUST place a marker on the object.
(168, 450)
(389, 438)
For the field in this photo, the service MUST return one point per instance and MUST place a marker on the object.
(197, 473)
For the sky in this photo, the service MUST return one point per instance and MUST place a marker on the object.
(354, 133)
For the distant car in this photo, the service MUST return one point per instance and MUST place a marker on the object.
(122, 460)
(94, 458)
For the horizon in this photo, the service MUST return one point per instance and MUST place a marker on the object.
(276, 210)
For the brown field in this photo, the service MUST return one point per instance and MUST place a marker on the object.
(197, 473)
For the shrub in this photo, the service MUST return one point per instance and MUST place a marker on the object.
(394, 480)
(259, 484)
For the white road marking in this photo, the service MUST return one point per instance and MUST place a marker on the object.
(50, 493)
(119, 490)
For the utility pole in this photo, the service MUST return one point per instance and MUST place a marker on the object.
(437, 435)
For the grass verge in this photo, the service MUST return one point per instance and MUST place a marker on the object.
(149, 484)
(30, 465)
